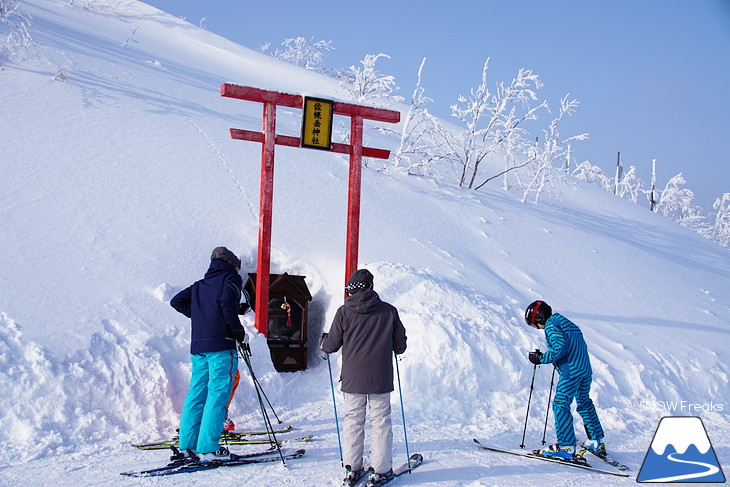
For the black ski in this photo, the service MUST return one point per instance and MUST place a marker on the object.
(414, 461)
(584, 466)
(194, 466)
(608, 459)
(226, 436)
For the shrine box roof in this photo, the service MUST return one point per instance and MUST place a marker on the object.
(281, 285)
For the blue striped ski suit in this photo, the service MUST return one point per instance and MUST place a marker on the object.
(567, 350)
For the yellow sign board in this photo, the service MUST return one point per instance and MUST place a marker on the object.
(317, 123)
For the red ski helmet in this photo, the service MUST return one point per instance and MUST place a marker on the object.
(538, 313)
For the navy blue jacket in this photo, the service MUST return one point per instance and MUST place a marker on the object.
(212, 305)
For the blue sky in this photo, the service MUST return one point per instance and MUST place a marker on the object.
(652, 76)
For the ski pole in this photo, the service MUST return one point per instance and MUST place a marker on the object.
(529, 399)
(268, 402)
(246, 354)
(256, 381)
(334, 403)
(547, 411)
(403, 413)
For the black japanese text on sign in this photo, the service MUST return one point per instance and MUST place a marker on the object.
(317, 123)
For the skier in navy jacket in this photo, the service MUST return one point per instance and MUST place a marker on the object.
(212, 304)
(568, 352)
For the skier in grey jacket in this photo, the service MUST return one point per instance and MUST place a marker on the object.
(369, 331)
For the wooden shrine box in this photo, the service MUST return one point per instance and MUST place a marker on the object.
(286, 332)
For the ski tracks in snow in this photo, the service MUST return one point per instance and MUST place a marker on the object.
(227, 166)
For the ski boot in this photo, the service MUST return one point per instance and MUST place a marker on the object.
(376, 479)
(352, 476)
(566, 453)
(182, 456)
(597, 447)
(221, 455)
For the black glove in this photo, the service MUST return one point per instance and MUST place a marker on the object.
(535, 357)
(322, 339)
(239, 334)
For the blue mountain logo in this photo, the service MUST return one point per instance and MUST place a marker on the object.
(681, 452)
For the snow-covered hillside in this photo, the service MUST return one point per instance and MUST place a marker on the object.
(117, 183)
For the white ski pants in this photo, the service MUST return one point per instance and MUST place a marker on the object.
(381, 431)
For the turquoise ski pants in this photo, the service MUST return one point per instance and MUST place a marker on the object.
(575, 388)
(204, 411)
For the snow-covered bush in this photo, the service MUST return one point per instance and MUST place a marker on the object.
(304, 52)
(367, 83)
(720, 231)
(592, 174)
(630, 185)
(491, 123)
(417, 147)
(15, 38)
(552, 149)
(676, 203)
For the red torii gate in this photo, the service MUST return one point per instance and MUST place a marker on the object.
(269, 139)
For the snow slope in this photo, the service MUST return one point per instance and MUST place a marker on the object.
(116, 184)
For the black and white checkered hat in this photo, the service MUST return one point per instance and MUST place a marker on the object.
(359, 280)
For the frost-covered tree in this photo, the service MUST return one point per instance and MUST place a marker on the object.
(720, 231)
(93, 5)
(592, 174)
(417, 146)
(491, 122)
(15, 38)
(367, 83)
(630, 185)
(676, 203)
(553, 149)
(304, 52)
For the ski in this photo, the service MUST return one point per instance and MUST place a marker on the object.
(176, 463)
(232, 435)
(225, 440)
(414, 461)
(194, 466)
(283, 429)
(269, 450)
(608, 459)
(584, 466)
(243, 441)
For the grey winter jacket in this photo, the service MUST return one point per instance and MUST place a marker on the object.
(368, 330)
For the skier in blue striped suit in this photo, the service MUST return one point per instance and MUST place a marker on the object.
(568, 352)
